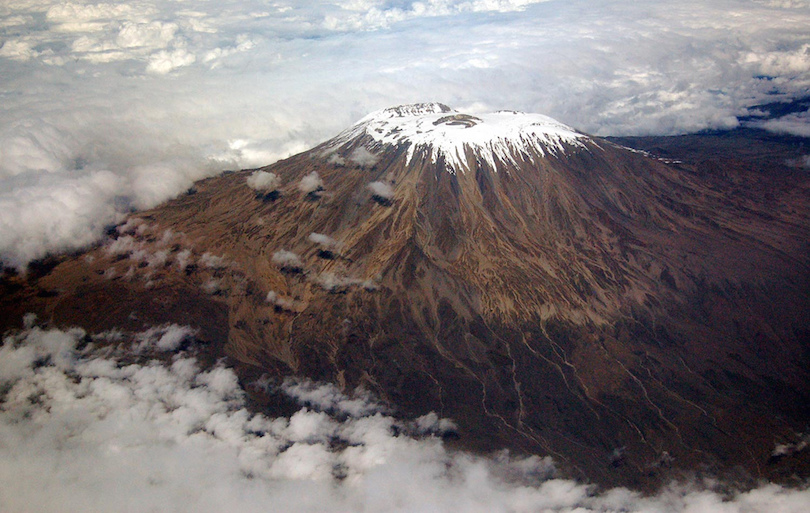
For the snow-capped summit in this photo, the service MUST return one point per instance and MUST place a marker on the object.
(437, 131)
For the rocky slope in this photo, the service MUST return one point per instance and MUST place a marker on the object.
(549, 291)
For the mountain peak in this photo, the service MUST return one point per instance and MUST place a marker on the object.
(438, 132)
(413, 109)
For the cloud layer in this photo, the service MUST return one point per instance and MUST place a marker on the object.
(107, 106)
(86, 429)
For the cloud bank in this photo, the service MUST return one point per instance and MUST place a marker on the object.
(109, 106)
(793, 124)
(84, 428)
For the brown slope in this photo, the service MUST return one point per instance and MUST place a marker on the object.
(618, 313)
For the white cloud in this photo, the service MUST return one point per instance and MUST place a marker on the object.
(215, 57)
(787, 4)
(324, 241)
(789, 449)
(381, 189)
(84, 432)
(432, 424)
(327, 397)
(133, 225)
(167, 61)
(43, 212)
(17, 50)
(336, 282)
(336, 159)
(184, 259)
(311, 183)
(283, 302)
(134, 248)
(155, 34)
(165, 338)
(212, 261)
(263, 181)
(777, 62)
(287, 260)
(212, 286)
(71, 12)
(14, 21)
(123, 245)
(792, 124)
(363, 157)
(374, 14)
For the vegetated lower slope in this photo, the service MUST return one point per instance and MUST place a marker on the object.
(550, 292)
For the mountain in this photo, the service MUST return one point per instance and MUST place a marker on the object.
(551, 292)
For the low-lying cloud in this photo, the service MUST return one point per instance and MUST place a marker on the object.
(287, 260)
(263, 181)
(283, 302)
(333, 282)
(362, 157)
(109, 106)
(85, 428)
(311, 183)
(381, 190)
(324, 241)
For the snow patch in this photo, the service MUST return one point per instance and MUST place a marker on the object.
(443, 133)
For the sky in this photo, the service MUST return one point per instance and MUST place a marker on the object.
(87, 428)
(119, 105)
